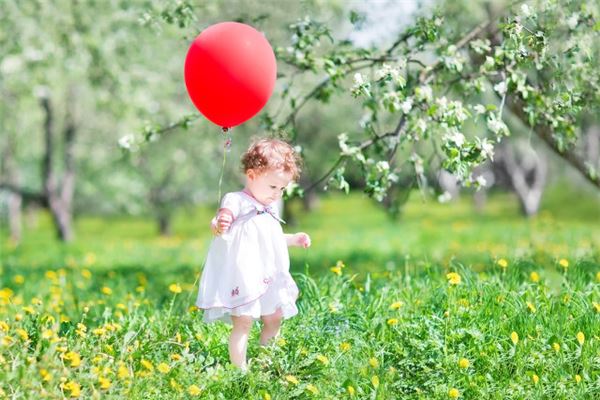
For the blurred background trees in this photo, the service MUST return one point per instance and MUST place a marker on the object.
(383, 97)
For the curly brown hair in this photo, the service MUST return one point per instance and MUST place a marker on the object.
(264, 154)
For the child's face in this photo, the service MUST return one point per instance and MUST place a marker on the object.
(267, 187)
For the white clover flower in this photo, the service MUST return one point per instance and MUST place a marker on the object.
(501, 88)
(406, 105)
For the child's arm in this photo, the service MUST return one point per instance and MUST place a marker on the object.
(299, 239)
(222, 221)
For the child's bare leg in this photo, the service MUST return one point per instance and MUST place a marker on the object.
(271, 324)
(238, 341)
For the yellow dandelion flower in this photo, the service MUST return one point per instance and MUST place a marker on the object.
(18, 317)
(104, 383)
(514, 336)
(531, 307)
(86, 273)
(564, 263)
(51, 275)
(73, 357)
(22, 333)
(312, 388)
(556, 347)
(106, 290)
(4, 326)
(73, 387)
(175, 357)
(375, 381)
(453, 393)
(502, 263)
(453, 278)
(336, 270)
(291, 379)
(47, 333)
(46, 376)
(99, 331)
(534, 276)
(163, 368)
(175, 288)
(29, 310)
(596, 306)
(598, 276)
(463, 363)
(7, 341)
(373, 362)
(535, 379)
(147, 364)
(396, 305)
(194, 390)
(281, 341)
(345, 346)
(351, 390)
(580, 338)
(324, 360)
(122, 372)
(19, 279)
(392, 321)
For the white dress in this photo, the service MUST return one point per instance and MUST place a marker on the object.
(247, 268)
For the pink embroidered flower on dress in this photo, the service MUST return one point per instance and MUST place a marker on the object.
(236, 291)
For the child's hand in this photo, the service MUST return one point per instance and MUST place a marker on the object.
(221, 222)
(302, 239)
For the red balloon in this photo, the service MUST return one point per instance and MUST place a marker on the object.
(230, 73)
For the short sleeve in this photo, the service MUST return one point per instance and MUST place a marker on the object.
(232, 202)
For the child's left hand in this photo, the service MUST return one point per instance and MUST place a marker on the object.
(302, 239)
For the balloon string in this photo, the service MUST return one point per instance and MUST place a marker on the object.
(226, 148)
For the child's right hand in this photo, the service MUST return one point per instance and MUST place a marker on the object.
(221, 222)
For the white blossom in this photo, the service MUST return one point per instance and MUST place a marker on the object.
(382, 166)
(487, 149)
(525, 10)
(11, 64)
(573, 20)
(501, 88)
(480, 181)
(444, 197)
(496, 125)
(456, 137)
(406, 105)
(358, 79)
(127, 142)
(479, 109)
(424, 93)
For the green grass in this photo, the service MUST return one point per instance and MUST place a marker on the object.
(390, 326)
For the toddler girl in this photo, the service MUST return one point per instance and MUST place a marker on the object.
(246, 275)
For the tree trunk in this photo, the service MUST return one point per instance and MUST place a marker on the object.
(164, 225)
(59, 202)
(526, 173)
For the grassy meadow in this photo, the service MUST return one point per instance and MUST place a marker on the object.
(442, 303)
